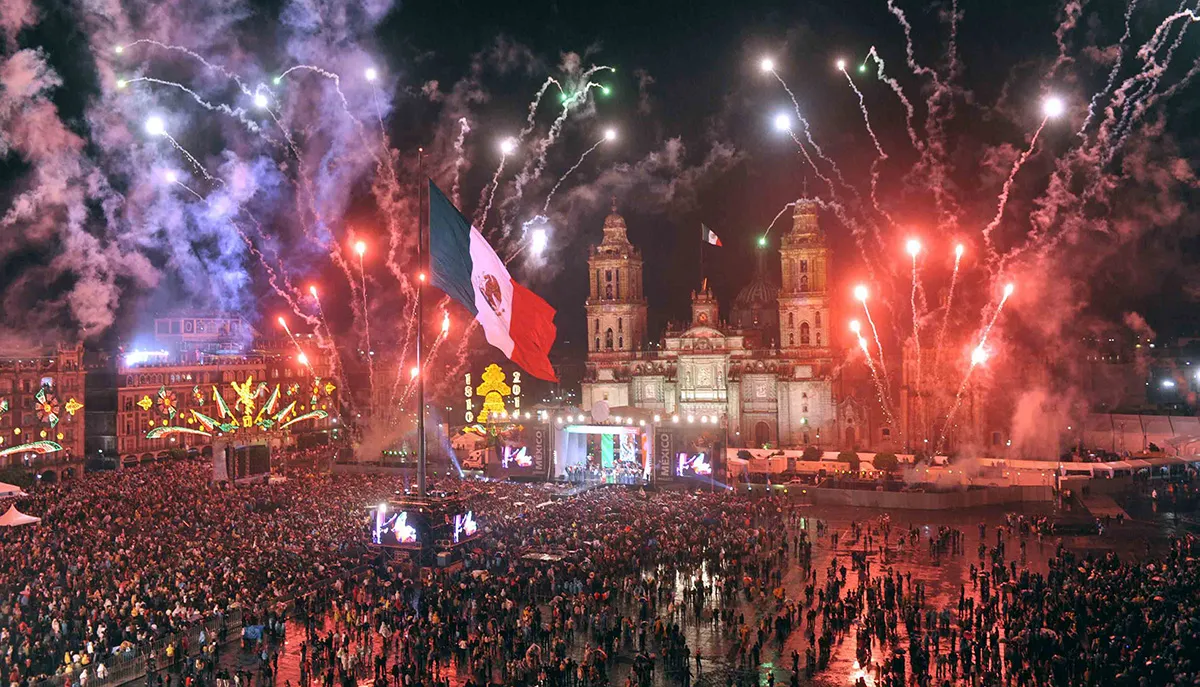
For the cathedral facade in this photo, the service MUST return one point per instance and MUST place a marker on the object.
(769, 373)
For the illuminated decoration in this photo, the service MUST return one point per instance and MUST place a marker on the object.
(32, 447)
(316, 391)
(160, 432)
(3, 406)
(42, 434)
(314, 415)
(226, 421)
(293, 389)
(494, 390)
(222, 405)
(72, 407)
(17, 430)
(145, 403)
(198, 395)
(60, 436)
(329, 388)
(47, 407)
(268, 407)
(245, 399)
(168, 402)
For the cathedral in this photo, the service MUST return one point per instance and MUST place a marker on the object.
(771, 372)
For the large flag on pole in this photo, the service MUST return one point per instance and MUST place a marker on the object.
(709, 236)
(464, 266)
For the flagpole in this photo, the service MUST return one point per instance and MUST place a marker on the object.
(703, 240)
(421, 181)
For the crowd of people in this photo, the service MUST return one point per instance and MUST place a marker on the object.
(616, 584)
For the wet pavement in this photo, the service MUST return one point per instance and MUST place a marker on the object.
(1145, 530)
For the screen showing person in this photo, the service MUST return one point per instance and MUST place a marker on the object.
(393, 529)
(515, 457)
(694, 464)
(465, 526)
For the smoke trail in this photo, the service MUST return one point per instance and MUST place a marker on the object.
(916, 336)
(937, 354)
(489, 192)
(549, 196)
(895, 86)
(808, 136)
(459, 159)
(878, 345)
(884, 403)
(881, 156)
(1112, 73)
(1003, 200)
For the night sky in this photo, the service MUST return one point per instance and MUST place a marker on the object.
(696, 144)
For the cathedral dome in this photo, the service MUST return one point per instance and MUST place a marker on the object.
(762, 292)
(756, 306)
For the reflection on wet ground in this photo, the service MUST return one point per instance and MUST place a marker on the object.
(1145, 530)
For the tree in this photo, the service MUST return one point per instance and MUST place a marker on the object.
(850, 457)
(811, 453)
(886, 461)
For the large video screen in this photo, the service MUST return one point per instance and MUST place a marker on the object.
(465, 526)
(693, 464)
(394, 529)
(521, 450)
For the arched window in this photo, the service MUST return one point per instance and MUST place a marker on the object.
(608, 339)
(803, 267)
(804, 282)
(762, 434)
(597, 343)
(607, 275)
(791, 339)
(818, 338)
(620, 343)
(803, 333)
(597, 326)
(608, 290)
(791, 320)
(620, 324)
(817, 318)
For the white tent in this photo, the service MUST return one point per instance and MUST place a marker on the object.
(14, 517)
(10, 490)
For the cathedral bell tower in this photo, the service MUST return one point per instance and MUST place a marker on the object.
(616, 307)
(803, 298)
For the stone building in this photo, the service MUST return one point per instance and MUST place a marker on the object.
(768, 373)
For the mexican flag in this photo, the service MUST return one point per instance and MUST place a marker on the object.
(709, 236)
(464, 266)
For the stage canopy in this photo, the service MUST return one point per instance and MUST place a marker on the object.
(10, 490)
(15, 517)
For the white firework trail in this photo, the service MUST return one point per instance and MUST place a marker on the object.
(937, 354)
(808, 133)
(489, 192)
(879, 388)
(194, 55)
(464, 128)
(549, 196)
(878, 344)
(1112, 73)
(533, 107)
(909, 113)
(880, 157)
(237, 113)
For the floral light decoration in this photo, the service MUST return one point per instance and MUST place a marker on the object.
(72, 407)
(168, 402)
(48, 408)
(146, 403)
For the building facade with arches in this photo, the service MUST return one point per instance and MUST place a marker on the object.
(769, 372)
